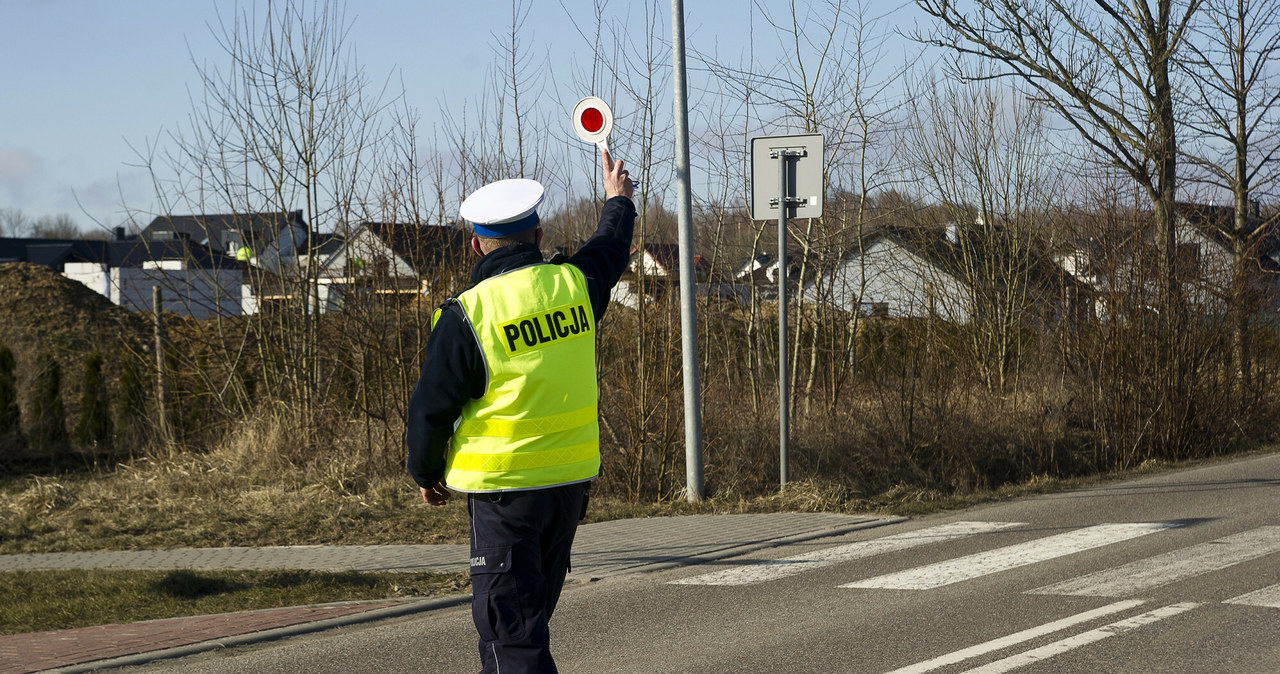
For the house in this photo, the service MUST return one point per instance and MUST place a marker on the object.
(907, 272)
(755, 269)
(661, 262)
(269, 241)
(1085, 259)
(194, 280)
(654, 270)
(1205, 259)
(393, 258)
(1127, 269)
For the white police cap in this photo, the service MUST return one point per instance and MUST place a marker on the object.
(504, 207)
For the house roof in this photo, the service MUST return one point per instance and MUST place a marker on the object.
(257, 228)
(954, 258)
(1217, 222)
(56, 253)
(667, 256)
(328, 245)
(424, 247)
(751, 264)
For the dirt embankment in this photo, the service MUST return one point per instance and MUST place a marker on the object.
(44, 311)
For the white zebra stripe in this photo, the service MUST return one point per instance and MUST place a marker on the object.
(1010, 557)
(1268, 597)
(759, 572)
(1144, 574)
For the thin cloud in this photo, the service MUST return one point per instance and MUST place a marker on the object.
(19, 170)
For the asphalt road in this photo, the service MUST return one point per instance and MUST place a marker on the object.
(1174, 573)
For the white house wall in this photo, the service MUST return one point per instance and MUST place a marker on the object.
(651, 266)
(368, 247)
(1213, 277)
(92, 274)
(897, 277)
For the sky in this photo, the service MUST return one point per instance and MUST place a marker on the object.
(88, 85)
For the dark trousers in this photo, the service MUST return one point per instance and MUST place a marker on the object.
(520, 543)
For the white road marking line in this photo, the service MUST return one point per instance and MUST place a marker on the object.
(1010, 557)
(1268, 597)
(1196, 560)
(1084, 639)
(759, 572)
(1015, 638)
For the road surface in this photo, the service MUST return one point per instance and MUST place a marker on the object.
(1173, 573)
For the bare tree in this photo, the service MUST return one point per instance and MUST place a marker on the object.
(630, 69)
(285, 124)
(1107, 69)
(59, 226)
(1232, 100)
(835, 78)
(13, 222)
(983, 153)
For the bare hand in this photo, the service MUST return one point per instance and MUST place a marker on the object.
(617, 182)
(437, 495)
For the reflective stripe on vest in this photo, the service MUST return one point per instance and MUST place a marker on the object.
(536, 424)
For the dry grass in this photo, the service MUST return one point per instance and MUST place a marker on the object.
(218, 499)
(245, 493)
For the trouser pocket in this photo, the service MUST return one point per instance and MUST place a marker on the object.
(495, 605)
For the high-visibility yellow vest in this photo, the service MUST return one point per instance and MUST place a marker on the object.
(536, 424)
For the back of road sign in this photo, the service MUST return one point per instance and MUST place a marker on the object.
(804, 176)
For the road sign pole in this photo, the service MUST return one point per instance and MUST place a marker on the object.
(783, 458)
(799, 164)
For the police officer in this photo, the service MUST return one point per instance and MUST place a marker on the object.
(505, 410)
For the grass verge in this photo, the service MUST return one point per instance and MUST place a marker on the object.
(192, 501)
(36, 601)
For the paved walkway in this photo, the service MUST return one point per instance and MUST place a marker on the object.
(602, 549)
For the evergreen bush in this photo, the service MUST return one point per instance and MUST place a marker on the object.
(48, 430)
(93, 430)
(12, 440)
(10, 415)
(131, 410)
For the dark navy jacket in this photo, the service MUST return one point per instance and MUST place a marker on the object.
(453, 371)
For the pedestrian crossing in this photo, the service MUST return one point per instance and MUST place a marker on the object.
(1009, 557)
(1153, 572)
(760, 572)
(1124, 582)
(1268, 597)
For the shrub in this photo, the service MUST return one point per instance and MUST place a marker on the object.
(10, 416)
(48, 431)
(93, 430)
(131, 410)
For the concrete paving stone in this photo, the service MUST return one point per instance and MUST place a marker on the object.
(37, 651)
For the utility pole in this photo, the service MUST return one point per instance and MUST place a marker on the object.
(688, 279)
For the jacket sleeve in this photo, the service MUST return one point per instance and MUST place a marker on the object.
(452, 373)
(604, 256)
